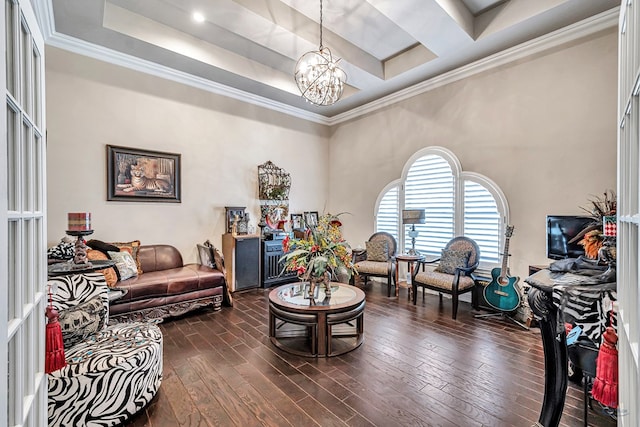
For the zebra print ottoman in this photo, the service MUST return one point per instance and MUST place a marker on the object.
(109, 376)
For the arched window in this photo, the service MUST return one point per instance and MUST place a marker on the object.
(387, 208)
(455, 203)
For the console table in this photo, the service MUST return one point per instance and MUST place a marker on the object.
(271, 273)
(554, 341)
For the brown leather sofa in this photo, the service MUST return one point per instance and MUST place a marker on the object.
(167, 288)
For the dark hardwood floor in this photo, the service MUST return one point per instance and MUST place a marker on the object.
(416, 367)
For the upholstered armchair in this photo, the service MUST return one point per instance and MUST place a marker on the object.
(112, 371)
(452, 275)
(378, 260)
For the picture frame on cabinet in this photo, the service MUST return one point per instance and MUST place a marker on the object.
(296, 222)
(311, 219)
(230, 216)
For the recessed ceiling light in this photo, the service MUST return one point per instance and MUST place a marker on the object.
(198, 17)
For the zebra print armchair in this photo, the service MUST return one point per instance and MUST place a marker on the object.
(112, 371)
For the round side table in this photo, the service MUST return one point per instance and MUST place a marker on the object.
(410, 260)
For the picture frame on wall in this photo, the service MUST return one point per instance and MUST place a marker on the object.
(311, 218)
(136, 175)
(296, 222)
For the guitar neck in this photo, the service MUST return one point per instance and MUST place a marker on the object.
(505, 258)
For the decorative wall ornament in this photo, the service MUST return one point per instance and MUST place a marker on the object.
(274, 184)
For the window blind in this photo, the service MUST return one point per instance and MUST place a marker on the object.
(387, 216)
(482, 221)
(430, 186)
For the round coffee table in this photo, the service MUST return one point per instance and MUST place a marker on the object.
(324, 329)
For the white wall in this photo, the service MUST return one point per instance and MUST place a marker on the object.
(543, 129)
(91, 104)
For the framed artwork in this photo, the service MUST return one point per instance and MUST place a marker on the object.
(311, 218)
(206, 256)
(230, 215)
(135, 175)
(296, 221)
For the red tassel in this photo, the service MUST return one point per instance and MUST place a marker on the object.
(605, 386)
(54, 356)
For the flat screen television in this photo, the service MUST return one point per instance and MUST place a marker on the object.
(561, 229)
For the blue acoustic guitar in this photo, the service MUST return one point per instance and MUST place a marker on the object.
(502, 293)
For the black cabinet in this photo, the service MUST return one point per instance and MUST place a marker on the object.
(272, 267)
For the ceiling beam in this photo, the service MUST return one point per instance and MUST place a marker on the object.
(430, 23)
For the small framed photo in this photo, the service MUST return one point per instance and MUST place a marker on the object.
(296, 222)
(311, 218)
(135, 175)
(230, 215)
(206, 256)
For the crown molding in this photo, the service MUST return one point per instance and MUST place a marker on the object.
(592, 25)
(564, 35)
(44, 14)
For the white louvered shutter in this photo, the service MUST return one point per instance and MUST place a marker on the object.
(430, 186)
(482, 221)
(387, 218)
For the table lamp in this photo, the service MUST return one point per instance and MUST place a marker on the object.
(413, 217)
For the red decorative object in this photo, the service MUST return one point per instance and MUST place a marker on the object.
(609, 226)
(79, 221)
(54, 357)
(605, 386)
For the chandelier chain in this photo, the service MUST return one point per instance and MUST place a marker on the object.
(320, 24)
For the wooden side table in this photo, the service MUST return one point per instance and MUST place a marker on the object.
(410, 260)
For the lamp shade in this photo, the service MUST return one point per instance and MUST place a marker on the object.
(413, 216)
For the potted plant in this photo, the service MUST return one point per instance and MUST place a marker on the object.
(320, 255)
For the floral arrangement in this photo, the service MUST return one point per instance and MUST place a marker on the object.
(592, 236)
(321, 250)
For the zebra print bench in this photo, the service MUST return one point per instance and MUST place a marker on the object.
(111, 374)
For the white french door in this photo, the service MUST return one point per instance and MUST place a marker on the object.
(23, 214)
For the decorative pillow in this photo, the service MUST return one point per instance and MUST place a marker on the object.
(125, 265)
(452, 259)
(81, 321)
(62, 251)
(101, 246)
(131, 247)
(109, 273)
(377, 250)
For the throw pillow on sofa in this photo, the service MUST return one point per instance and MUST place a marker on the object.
(62, 251)
(125, 265)
(81, 321)
(132, 247)
(101, 246)
(109, 273)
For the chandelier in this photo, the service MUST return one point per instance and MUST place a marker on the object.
(318, 76)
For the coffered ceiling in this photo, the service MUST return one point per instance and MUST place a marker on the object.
(248, 48)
